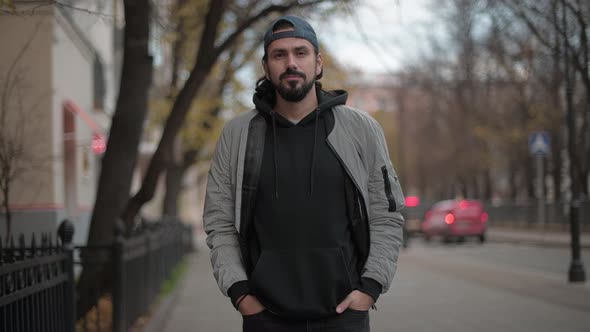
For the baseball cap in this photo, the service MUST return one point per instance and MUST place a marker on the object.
(301, 29)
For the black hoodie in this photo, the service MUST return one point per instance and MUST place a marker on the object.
(307, 263)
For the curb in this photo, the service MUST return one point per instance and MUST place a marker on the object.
(535, 242)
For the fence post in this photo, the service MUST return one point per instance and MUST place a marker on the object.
(119, 324)
(66, 234)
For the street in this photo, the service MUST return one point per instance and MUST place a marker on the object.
(456, 287)
(493, 287)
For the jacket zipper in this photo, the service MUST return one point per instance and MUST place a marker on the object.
(349, 174)
(361, 198)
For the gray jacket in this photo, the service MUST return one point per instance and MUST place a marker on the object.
(357, 140)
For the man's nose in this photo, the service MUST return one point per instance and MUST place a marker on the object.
(291, 63)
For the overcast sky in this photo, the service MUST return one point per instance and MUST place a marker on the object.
(395, 31)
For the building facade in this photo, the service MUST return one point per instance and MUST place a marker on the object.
(58, 74)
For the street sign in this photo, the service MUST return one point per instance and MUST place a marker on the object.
(539, 143)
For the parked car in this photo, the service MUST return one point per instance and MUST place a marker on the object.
(413, 213)
(456, 219)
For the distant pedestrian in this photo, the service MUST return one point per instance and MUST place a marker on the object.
(302, 206)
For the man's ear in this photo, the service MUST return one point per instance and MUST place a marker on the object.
(319, 64)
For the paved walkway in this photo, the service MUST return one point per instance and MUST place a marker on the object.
(199, 304)
(429, 294)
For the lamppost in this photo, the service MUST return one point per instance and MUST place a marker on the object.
(576, 270)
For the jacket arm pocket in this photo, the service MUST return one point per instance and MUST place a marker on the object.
(388, 192)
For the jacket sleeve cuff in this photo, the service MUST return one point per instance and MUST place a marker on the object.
(237, 290)
(370, 287)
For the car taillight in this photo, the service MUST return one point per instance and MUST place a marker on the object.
(449, 218)
(412, 201)
(484, 217)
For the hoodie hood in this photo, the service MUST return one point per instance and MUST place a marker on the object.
(264, 99)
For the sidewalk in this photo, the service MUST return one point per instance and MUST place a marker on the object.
(197, 304)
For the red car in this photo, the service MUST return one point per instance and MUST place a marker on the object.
(455, 219)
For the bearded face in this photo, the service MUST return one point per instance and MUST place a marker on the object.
(291, 89)
(292, 66)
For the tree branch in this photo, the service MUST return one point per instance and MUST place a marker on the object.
(263, 13)
(574, 58)
(66, 5)
(528, 22)
(582, 67)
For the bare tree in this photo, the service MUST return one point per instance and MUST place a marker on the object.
(540, 18)
(484, 91)
(192, 147)
(127, 126)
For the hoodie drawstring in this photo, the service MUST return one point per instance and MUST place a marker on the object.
(275, 143)
(315, 140)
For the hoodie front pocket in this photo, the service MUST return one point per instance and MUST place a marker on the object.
(301, 283)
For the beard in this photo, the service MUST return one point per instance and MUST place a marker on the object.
(292, 92)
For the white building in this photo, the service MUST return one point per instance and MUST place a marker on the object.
(62, 92)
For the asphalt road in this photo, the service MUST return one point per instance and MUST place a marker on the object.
(490, 287)
(459, 287)
(547, 260)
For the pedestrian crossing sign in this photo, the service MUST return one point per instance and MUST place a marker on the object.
(539, 143)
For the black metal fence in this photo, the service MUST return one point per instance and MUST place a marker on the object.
(38, 286)
(141, 264)
(526, 216)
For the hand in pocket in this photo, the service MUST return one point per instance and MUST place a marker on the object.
(250, 306)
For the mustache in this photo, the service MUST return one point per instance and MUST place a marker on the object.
(292, 72)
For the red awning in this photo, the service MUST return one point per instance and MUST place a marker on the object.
(98, 137)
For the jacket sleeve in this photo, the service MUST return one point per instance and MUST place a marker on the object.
(219, 218)
(385, 200)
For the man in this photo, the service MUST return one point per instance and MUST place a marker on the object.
(302, 205)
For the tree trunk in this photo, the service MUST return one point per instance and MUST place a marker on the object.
(462, 187)
(7, 213)
(556, 162)
(177, 47)
(529, 176)
(556, 169)
(174, 176)
(512, 181)
(120, 157)
(584, 183)
(557, 133)
(206, 58)
(474, 188)
(488, 185)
